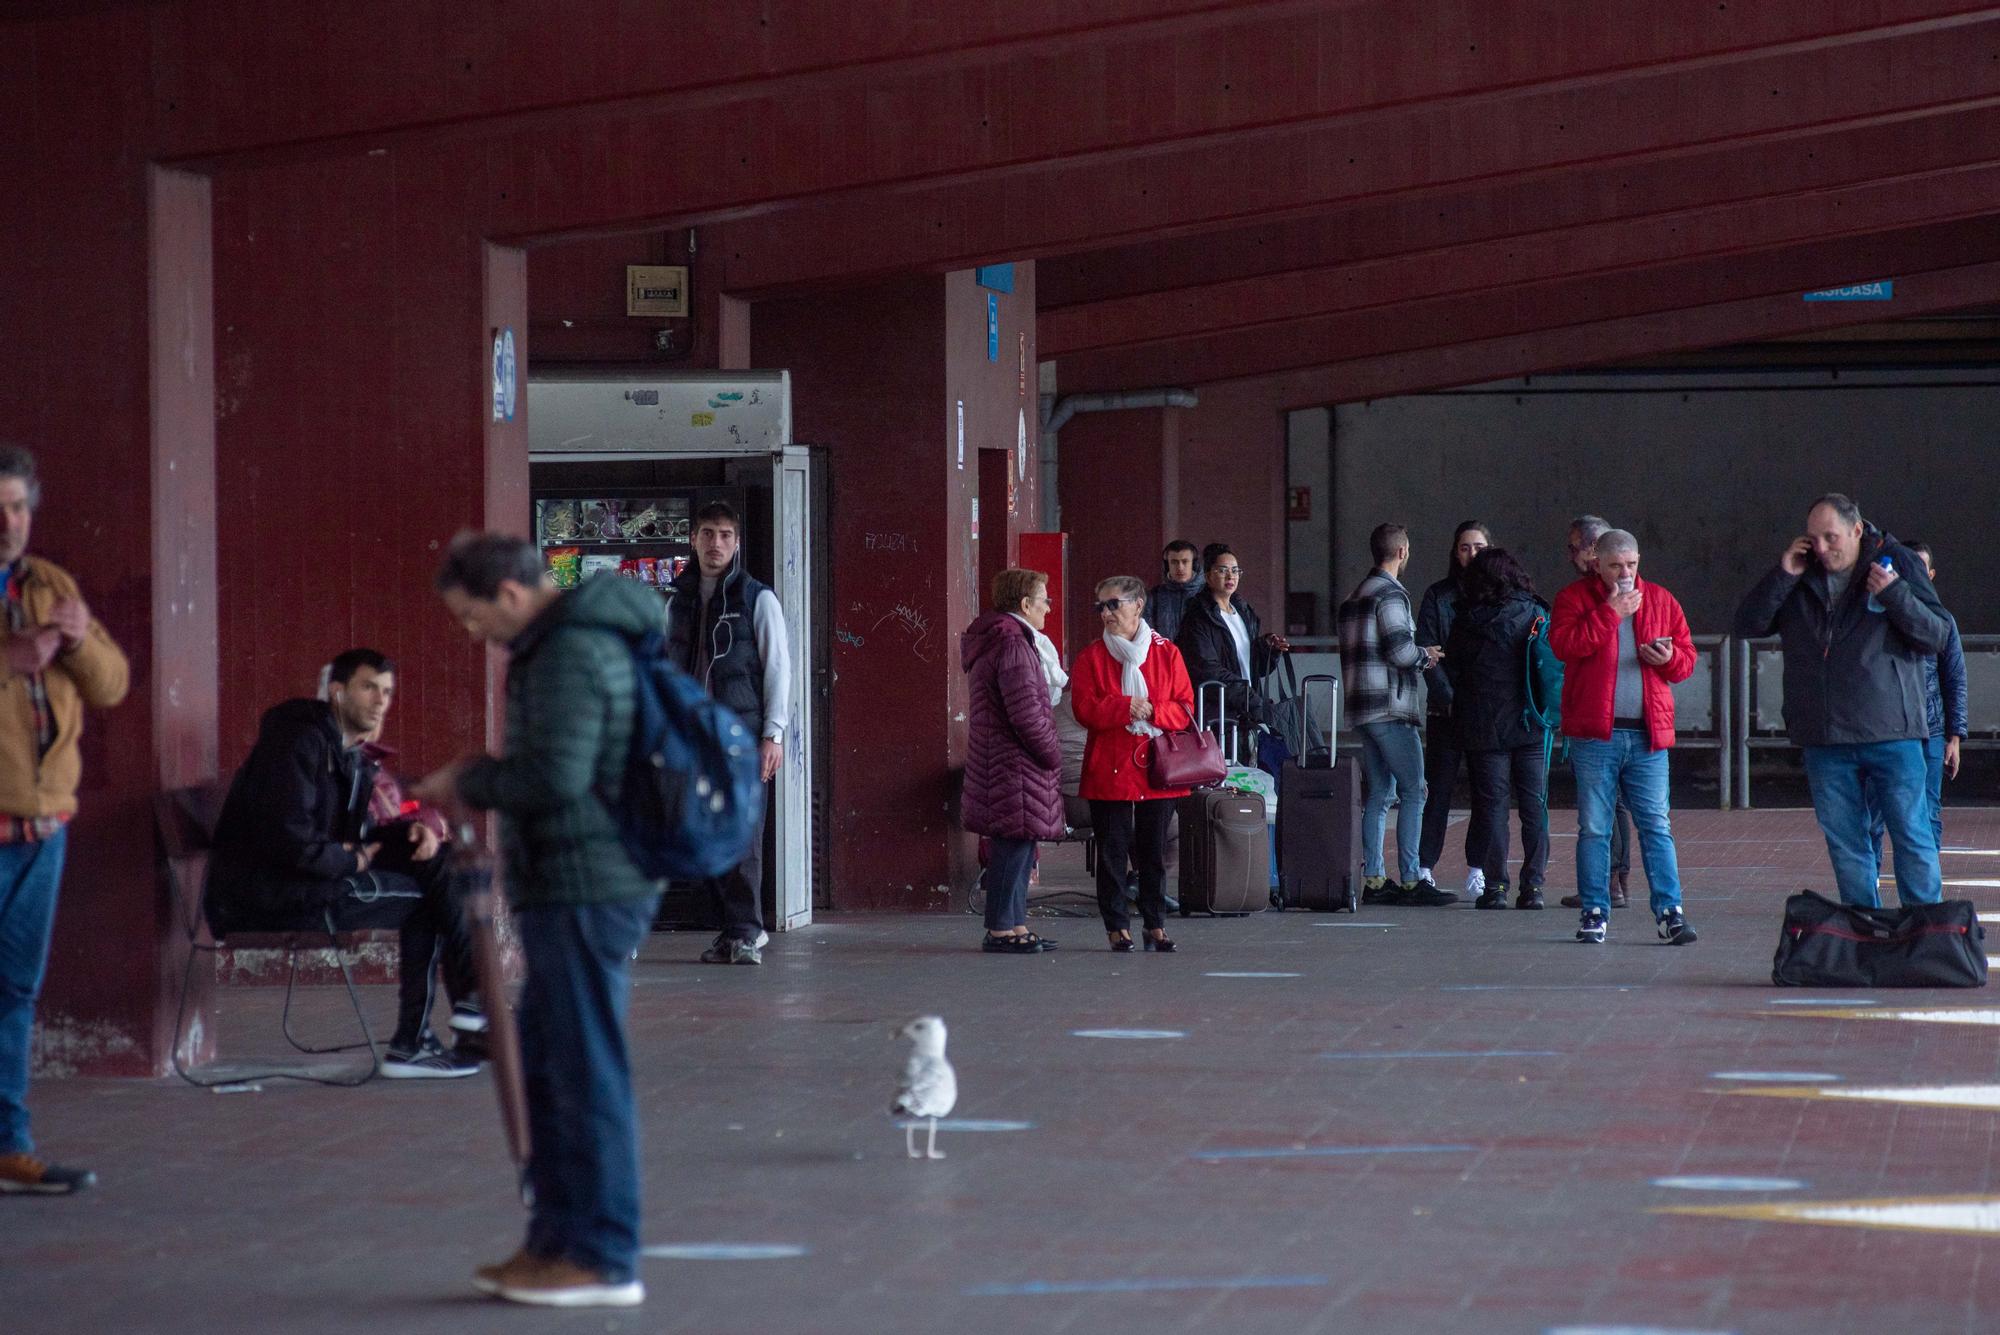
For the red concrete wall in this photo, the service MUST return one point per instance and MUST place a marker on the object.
(576, 300)
(1232, 474)
(1117, 473)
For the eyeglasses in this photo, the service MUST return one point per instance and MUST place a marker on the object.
(1226, 571)
(1110, 606)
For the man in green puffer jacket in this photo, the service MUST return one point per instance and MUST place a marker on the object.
(582, 906)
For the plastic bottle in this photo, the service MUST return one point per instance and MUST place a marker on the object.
(1875, 604)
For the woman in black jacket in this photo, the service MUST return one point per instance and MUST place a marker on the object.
(1441, 757)
(1486, 656)
(1222, 639)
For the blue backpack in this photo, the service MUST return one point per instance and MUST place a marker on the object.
(1545, 693)
(693, 793)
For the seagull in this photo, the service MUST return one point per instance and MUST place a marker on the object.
(929, 1088)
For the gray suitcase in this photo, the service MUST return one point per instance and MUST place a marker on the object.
(1319, 822)
(1225, 854)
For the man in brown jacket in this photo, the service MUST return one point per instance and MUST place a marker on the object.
(54, 660)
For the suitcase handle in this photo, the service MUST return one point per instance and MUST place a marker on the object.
(1305, 714)
(1223, 727)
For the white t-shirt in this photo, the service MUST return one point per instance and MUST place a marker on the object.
(1233, 619)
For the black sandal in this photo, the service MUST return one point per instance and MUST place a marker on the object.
(1121, 942)
(1018, 943)
(1162, 943)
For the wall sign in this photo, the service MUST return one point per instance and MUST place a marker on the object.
(656, 290)
(999, 277)
(1021, 443)
(961, 435)
(975, 519)
(1884, 291)
(992, 328)
(1299, 505)
(503, 375)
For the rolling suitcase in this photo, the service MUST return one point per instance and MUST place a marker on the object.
(1319, 820)
(1225, 842)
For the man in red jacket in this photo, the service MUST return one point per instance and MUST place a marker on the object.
(1624, 644)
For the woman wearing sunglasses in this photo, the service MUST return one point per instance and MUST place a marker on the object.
(1129, 686)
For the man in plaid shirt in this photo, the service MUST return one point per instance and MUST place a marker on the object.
(55, 659)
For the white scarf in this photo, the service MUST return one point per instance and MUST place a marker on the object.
(1052, 670)
(1129, 654)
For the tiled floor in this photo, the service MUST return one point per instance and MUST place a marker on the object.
(1431, 1120)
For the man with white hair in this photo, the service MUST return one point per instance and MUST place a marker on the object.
(1855, 651)
(1624, 644)
(1581, 548)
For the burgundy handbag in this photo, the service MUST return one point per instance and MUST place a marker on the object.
(1191, 759)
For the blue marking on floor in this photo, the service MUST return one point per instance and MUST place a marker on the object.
(1824, 1001)
(1327, 1151)
(1126, 1033)
(1249, 975)
(1541, 987)
(1631, 1330)
(725, 1251)
(1776, 1077)
(963, 1124)
(1163, 1285)
(1357, 924)
(1383, 1056)
(1729, 1183)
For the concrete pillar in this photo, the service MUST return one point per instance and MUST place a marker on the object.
(1119, 474)
(896, 381)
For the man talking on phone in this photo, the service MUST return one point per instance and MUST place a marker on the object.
(1624, 644)
(1855, 651)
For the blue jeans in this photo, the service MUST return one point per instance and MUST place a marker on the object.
(1627, 766)
(584, 1162)
(1008, 862)
(1850, 785)
(1392, 760)
(29, 875)
(1934, 766)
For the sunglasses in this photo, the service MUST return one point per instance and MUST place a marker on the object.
(1111, 605)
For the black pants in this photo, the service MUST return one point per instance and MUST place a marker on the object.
(736, 898)
(1441, 761)
(1497, 776)
(414, 897)
(1135, 834)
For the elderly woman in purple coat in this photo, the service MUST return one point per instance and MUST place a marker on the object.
(1013, 763)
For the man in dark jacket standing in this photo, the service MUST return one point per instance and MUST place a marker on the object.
(581, 905)
(1169, 598)
(294, 849)
(1858, 618)
(727, 631)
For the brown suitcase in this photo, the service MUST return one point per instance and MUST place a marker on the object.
(1225, 854)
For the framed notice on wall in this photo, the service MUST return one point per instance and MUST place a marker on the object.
(1299, 503)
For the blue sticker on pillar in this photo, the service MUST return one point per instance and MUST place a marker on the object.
(999, 277)
(992, 328)
(1882, 291)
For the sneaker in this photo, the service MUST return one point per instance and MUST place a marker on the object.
(489, 1278)
(467, 1017)
(1531, 898)
(1674, 929)
(728, 950)
(1381, 890)
(429, 1060)
(1475, 883)
(1592, 926)
(558, 1283)
(1571, 901)
(1426, 895)
(1496, 898)
(23, 1174)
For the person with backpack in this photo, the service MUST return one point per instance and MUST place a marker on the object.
(1495, 725)
(727, 631)
(1442, 760)
(1382, 667)
(1625, 645)
(581, 902)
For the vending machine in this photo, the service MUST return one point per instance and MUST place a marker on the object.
(620, 461)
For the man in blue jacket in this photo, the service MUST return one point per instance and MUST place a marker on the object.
(1859, 620)
(1944, 710)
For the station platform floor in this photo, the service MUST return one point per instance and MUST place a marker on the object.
(1408, 1120)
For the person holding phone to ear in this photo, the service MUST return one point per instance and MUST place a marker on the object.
(1855, 652)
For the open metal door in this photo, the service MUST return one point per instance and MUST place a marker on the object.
(791, 796)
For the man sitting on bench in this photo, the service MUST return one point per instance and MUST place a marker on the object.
(295, 850)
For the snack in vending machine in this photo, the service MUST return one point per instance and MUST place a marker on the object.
(629, 568)
(649, 570)
(599, 563)
(565, 566)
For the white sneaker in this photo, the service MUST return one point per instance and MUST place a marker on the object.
(1475, 882)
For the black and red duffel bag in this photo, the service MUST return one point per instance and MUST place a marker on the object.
(1829, 944)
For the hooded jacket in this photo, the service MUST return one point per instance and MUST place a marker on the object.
(1486, 657)
(1168, 601)
(1013, 760)
(1583, 631)
(300, 798)
(1852, 676)
(570, 694)
(1209, 652)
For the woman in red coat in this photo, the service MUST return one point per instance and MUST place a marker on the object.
(1128, 687)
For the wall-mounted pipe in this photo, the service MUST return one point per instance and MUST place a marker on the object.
(1055, 412)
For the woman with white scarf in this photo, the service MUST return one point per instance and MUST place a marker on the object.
(1129, 686)
(1013, 761)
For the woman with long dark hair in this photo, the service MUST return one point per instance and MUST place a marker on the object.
(1441, 754)
(1486, 656)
